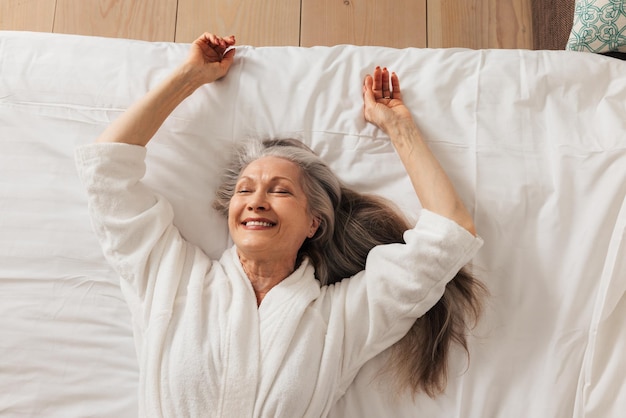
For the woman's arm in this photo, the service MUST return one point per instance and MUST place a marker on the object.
(135, 225)
(207, 61)
(384, 108)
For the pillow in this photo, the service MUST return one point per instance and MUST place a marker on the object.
(599, 26)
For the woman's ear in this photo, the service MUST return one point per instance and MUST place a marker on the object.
(315, 223)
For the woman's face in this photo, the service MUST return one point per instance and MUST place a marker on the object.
(268, 215)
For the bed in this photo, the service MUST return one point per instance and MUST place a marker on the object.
(535, 142)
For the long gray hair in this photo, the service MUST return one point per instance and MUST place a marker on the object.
(351, 224)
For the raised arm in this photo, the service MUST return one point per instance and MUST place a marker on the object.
(384, 107)
(208, 60)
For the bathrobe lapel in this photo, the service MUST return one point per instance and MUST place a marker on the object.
(240, 344)
(261, 337)
(280, 315)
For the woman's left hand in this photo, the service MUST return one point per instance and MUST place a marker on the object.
(382, 100)
(383, 106)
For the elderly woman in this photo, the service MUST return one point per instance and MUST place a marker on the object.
(271, 329)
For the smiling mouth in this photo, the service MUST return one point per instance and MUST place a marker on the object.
(258, 223)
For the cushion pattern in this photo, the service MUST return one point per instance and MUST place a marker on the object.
(599, 26)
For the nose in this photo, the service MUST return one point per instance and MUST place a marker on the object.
(258, 202)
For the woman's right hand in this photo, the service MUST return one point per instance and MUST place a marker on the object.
(210, 57)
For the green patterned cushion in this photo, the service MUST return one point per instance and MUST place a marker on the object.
(599, 26)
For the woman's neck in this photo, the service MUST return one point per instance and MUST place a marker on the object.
(265, 274)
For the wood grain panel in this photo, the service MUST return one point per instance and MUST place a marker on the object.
(31, 15)
(479, 24)
(150, 20)
(393, 23)
(253, 22)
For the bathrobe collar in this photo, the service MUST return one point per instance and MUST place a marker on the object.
(300, 288)
(267, 330)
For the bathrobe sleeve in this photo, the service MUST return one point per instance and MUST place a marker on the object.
(400, 283)
(135, 228)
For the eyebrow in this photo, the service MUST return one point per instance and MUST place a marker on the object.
(271, 180)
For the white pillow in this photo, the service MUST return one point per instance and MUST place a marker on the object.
(599, 26)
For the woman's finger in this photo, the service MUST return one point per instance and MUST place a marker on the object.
(377, 86)
(230, 40)
(395, 85)
(228, 58)
(386, 93)
(368, 92)
(217, 42)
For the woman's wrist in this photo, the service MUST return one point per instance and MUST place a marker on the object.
(403, 132)
(187, 78)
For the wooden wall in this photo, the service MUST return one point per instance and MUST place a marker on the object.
(397, 23)
(253, 22)
(394, 23)
(480, 24)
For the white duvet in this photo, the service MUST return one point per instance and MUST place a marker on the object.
(535, 142)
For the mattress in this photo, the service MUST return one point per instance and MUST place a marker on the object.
(534, 141)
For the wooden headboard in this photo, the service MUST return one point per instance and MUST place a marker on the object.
(552, 23)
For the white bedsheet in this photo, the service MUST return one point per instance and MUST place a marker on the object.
(534, 141)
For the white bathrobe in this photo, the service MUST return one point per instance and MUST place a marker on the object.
(206, 350)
